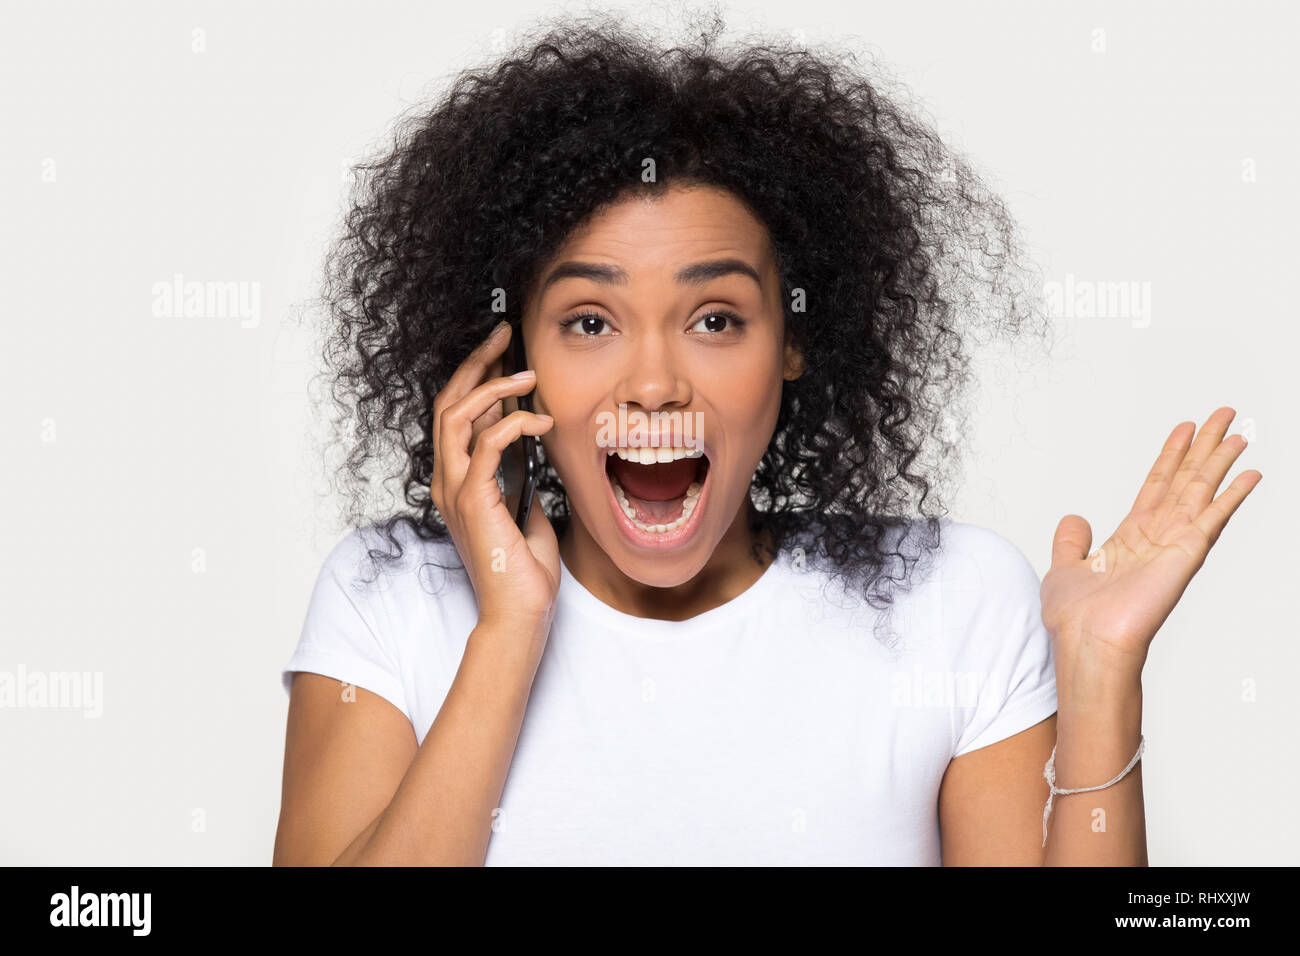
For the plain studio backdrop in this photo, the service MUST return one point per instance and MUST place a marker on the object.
(165, 516)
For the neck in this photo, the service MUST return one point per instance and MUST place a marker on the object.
(730, 571)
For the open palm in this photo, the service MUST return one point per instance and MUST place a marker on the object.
(1114, 600)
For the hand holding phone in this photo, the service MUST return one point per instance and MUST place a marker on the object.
(515, 570)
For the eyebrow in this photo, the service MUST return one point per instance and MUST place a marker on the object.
(697, 274)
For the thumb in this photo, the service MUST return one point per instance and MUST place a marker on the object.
(1072, 541)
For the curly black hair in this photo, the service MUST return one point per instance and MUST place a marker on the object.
(894, 258)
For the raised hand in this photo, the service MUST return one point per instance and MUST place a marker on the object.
(1108, 604)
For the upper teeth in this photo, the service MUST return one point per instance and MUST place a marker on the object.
(650, 456)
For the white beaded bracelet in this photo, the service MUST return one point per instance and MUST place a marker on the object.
(1049, 771)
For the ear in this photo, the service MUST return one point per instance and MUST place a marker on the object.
(794, 364)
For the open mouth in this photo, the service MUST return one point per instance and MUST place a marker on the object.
(658, 489)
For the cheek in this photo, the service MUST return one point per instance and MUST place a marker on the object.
(750, 399)
(569, 449)
(747, 412)
(568, 438)
(564, 445)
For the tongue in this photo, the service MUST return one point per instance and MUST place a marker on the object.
(657, 486)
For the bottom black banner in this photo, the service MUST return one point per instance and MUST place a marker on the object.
(218, 904)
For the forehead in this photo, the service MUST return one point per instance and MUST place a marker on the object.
(666, 229)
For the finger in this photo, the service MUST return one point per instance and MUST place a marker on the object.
(1212, 520)
(1161, 476)
(1072, 540)
(469, 373)
(494, 413)
(485, 461)
(1198, 492)
(1207, 440)
(458, 419)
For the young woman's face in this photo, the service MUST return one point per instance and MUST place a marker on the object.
(653, 285)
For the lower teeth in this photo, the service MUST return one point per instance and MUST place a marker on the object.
(688, 505)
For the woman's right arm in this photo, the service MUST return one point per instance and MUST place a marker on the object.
(357, 789)
(354, 763)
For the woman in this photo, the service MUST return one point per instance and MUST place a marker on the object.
(746, 283)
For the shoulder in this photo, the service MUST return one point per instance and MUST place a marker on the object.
(988, 601)
(995, 643)
(972, 556)
(390, 558)
(389, 612)
(922, 551)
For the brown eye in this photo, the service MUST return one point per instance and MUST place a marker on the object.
(589, 324)
(716, 322)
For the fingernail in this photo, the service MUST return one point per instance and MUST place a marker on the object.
(526, 373)
(501, 327)
(547, 417)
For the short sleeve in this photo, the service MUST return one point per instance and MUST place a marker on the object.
(1004, 650)
(342, 635)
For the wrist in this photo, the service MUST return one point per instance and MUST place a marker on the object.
(515, 632)
(1092, 674)
(1097, 710)
(516, 620)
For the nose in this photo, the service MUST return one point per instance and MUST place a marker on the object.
(652, 376)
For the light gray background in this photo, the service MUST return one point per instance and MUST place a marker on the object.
(132, 440)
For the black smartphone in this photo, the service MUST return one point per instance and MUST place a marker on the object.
(520, 465)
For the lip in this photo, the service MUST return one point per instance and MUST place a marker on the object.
(668, 540)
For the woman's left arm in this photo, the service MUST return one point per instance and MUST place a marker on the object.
(1102, 610)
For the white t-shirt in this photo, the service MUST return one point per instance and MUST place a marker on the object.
(774, 729)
